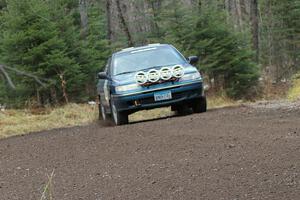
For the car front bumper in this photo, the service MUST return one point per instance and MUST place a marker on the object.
(181, 93)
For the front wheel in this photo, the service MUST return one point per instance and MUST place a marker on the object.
(119, 118)
(199, 105)
(102, 113)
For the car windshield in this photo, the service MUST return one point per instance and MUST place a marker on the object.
(137, 60)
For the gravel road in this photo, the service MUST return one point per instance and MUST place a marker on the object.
(246, 152)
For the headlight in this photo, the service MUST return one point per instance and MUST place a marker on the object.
(125, 88)
(192, 76)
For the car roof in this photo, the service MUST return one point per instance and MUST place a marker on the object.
(131, 49)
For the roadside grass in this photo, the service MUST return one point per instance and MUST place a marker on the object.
(294, 91)
(221, 101)
(18, 122)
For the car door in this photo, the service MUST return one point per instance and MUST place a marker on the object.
(104, 86)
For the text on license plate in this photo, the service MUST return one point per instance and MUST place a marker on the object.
(164, 95)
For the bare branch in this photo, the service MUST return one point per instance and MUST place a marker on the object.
(10, 83)
(40, 81)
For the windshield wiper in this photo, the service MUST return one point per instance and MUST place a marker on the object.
(157, 66)
(122, 73)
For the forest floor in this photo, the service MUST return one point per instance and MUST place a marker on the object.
(245, 152)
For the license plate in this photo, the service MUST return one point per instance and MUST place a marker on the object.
(161, 96)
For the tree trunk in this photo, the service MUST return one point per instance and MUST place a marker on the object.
(255, 27)
(155, 6)
(124, 24)
(109, 20)
(239, 14)
(64, 87)
(53, 96)
(83, 5)
(38, 97)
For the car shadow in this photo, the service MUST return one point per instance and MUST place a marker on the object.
(173, 115)
(154, 119)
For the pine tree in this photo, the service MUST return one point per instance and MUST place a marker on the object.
(280, 37)
(177, 22)
(95, 49)
(225, 56)
(39, 40)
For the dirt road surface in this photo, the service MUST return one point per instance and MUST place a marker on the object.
(248, 152)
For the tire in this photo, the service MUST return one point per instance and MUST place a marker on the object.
(119, 118)
(199, 105)
(102, 113)
(183, 110)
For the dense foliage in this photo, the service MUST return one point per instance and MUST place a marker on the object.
(280, 37)
(225, 57)
(43, 38)
(66, 42)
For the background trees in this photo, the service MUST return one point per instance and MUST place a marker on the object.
(66, 42)
(50, 39)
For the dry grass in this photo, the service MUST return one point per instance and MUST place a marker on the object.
(294, 92)
(16, 122)
(47, 191)
(221, 101)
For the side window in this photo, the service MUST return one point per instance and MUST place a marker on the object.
(107, 66)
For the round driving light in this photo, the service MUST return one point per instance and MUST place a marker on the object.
(166, 73)
(141, 78)
(153, 76)
(178, 71)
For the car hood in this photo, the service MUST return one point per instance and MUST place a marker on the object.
(126, 79)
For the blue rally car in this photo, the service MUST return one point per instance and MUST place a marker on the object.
(152, 76)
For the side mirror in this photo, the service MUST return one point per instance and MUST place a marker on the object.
(193, 60)
(102, 75)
